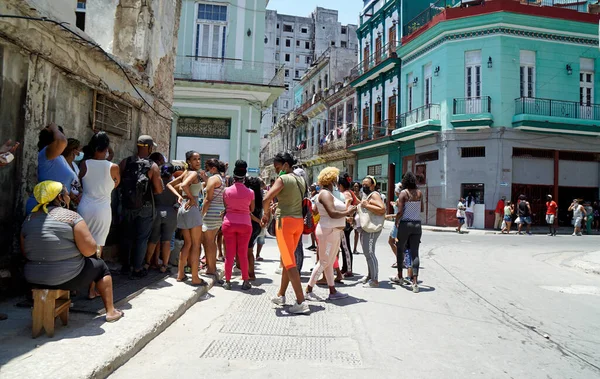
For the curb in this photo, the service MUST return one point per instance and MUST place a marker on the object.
(146, 316)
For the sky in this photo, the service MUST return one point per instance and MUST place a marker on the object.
(348, 9)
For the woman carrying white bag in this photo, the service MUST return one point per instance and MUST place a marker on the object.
(371, 212)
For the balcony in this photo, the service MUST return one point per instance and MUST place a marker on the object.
(472, 113)
(418, 123)
(377, 134)
(557, 116)
(314, 99)
(334, 146)
(230, 71)
(382, 60)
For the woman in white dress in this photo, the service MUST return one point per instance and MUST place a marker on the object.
(98, 178)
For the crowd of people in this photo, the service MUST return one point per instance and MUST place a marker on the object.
(81, 195)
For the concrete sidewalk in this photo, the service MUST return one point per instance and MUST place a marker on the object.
(89, 347)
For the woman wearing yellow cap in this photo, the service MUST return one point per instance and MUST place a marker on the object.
(60, 250)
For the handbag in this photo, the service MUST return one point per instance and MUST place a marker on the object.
(370, 222)
(307, 214)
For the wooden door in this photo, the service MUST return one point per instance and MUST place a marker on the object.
(378, 50)
(377, 123)
(392, 40)
(408, 164)
(391, 114)
(365, 125)
(366, 53)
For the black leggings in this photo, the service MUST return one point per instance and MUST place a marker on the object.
(347, 258)
(94, 269)
(409, 232)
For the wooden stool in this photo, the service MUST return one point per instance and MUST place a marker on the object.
(47, 305)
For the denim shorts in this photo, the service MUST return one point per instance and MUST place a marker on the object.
(394, 231)
(507, 218)
(461, 220)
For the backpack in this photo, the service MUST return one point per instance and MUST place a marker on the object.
(135, 182)
(307, 214)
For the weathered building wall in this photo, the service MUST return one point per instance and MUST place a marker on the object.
(51, 74)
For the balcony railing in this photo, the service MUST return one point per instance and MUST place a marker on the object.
(426, 112)
(229, 71)
(377, 57)
(334, 143)
(313, 99)
(427, 15)
(365, 133)
(472, 105)
(579, 6)
(557, 108)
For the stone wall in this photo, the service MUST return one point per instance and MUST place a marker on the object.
(51, 73)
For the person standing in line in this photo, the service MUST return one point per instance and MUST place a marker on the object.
(153, 251)
(499, 213)
(551, 215)
(596, 213)
(165, 223)
(469, 211)
(589, 217)
(460, 214)
(288, 189)
(314, 191)
(260, 240)
(375, 206)
(254, 184)
(392, 239)
(237, 224)
(345, 187)
(578, 216)
(140, 181)
(189, 219)
(51, 164)
(99, 177)
(524, 214)
(356, 188)
(73, 154)
(509, 210)
(211, 212)
(408, 222)
(329, 231)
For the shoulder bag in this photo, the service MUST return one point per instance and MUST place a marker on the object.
(369, 222)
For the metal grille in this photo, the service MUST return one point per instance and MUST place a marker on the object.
(532, 153)
(374, 170)
(472, 152)
(204, 127)
(112, 116)
(580, 156)
(256, 349)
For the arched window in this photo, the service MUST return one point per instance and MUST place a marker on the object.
(326, 81)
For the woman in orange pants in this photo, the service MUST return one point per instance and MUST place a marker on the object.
(289, 190)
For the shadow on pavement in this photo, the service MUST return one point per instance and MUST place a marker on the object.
(350, 300)
(282, 312)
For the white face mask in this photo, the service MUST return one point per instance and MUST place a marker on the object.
(106, 155)
(79, 156)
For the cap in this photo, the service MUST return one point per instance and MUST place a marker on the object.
(503, 197)
(145, 140)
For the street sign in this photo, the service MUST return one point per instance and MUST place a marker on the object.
(253, 170)
(503, 184)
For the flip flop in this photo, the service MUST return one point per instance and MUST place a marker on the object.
(185, 278)
(260, 259)
(116, 318)
(201, 284)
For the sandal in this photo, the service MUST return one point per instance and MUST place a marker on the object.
(115, 318)
(201, 284)
(185, 278)
(165, 269)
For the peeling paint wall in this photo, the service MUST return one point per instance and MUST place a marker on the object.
(49, 75)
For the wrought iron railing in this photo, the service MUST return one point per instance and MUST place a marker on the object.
(427, 15)
(377, 57)
(229, 70)
(426, 112)
(336, 142)
(557, 108)
(472, 105)
(365, 133)
(579, 6)
(313, 99)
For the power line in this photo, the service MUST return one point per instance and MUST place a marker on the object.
(96, 46)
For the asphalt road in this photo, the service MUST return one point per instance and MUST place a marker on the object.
(490, 306)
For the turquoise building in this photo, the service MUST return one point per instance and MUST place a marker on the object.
(493, 100)
(222, 82)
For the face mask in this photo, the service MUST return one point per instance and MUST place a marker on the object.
(282, 172)
(79, 156)
(106, 155)
(366, 190)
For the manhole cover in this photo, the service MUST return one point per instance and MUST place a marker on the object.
(256, 348)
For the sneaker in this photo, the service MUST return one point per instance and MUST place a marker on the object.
(371, 284)
(579, 234)
(365, 279)
(337, 296)
(278, 300)
(407, 281)
(529, 233)
(415, 288)
(549, 234)
(278, 271)
(299, 308)
(395, 279)
(573, 234)
(311, 296)
(246, 285)
(227, 286)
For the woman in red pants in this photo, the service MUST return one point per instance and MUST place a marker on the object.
(237, 225)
